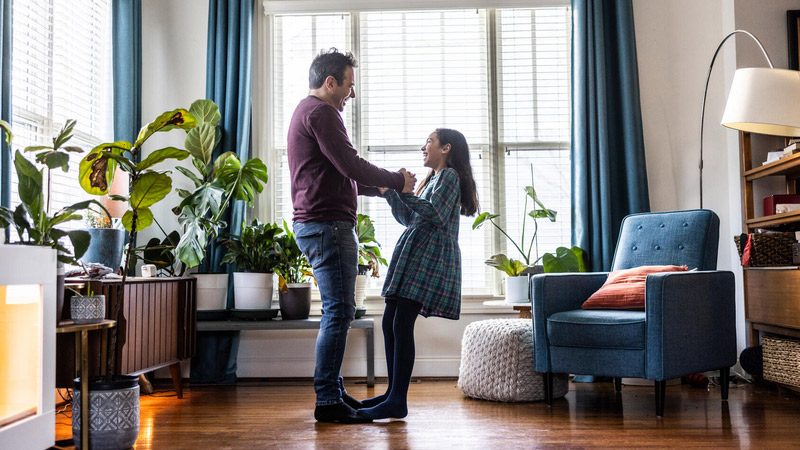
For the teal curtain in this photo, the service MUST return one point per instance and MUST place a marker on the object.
(230, 36)
(609, 177)
(5, 99)
(126, 19)
(230, 49)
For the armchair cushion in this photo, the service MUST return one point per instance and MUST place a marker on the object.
(597, 329)
(625, 289)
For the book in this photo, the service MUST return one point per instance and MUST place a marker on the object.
(791, 148)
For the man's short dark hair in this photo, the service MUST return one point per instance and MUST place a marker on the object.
(329, 63)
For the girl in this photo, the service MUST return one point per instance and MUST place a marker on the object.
(424, 275)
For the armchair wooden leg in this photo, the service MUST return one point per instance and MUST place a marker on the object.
(618, 384)
(548, 388)
(724, 378)
(661, 395)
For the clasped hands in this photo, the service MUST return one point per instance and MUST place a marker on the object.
(409, 180)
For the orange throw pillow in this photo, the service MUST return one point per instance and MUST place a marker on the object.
(624, 289)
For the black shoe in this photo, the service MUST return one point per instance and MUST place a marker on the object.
(338, 413)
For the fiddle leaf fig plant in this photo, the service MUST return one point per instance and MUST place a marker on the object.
(217, 181)
(147, 186)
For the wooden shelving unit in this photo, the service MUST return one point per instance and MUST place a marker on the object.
(771, 294)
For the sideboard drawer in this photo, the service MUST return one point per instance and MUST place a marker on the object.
(773, 296)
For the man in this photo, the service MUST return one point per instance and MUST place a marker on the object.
(327, 176)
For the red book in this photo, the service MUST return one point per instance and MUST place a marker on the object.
(779, 199)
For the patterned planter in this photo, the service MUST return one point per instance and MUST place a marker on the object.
(113, 413)
(85, 310)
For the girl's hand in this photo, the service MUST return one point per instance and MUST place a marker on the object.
(382, 190)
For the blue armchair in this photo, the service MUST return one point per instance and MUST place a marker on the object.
(689, 322)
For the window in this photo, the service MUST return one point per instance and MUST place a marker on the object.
(501, 77)
(61, 70)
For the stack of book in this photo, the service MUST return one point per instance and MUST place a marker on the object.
(792, 148)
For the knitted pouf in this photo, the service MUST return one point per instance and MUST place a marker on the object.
(497, 363)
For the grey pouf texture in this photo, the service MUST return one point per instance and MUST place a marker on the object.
(497, 363)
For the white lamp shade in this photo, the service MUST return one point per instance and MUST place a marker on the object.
(764, 101)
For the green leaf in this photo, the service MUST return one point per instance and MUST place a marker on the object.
(511, 267)
(158, 156)
(205, 111)
(65, 134)
(29, 186)
(177, 118)
(7, 131)
(200, 167)
(219, 163)
(36, 148)
(119, 198)
(564, 260)
(54, 160)
(543, 214)
(149, 189)
(191, 248)
(549, 213)
(6, 219)
(72, 149)
(96, 169)
(197, 181)
(243, 182)
(483, 217)
(80, 242)
(201, 141)
(144, 218)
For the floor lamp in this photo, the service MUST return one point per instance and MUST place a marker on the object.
(761, 100)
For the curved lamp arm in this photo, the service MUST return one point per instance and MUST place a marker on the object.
(705, 92)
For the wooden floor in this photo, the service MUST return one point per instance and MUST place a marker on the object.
(255, 416)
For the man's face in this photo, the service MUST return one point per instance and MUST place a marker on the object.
(341, 94)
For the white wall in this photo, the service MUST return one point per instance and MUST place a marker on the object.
(174, 37)
(675, 42)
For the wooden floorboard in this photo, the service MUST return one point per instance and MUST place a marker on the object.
(270, 415)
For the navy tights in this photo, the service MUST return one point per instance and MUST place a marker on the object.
(398, 336)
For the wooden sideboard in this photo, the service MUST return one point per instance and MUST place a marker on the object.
(157, 327)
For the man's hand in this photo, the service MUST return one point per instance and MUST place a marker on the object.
(410, 180)
(382, 190)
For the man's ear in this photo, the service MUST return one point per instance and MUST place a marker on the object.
(330, 82)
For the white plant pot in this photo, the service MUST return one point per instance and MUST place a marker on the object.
(252, 290)
(517, 289)
(361, 290)
(212, 291)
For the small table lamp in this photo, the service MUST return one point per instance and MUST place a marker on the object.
(761, 100)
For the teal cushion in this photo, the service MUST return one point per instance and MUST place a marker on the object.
(597, 329)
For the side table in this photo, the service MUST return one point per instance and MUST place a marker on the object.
(524, 309)
(82, 362)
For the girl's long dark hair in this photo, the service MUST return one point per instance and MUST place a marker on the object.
(458, 159)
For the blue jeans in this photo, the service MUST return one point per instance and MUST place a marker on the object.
(332, 251)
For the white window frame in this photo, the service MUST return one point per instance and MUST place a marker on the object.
(263, 72)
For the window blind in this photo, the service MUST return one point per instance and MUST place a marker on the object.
(61, 69)
(296, 41)
(533, 70)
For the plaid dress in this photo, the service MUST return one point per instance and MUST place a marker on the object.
(426, 262)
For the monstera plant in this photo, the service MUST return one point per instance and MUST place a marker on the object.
(217, 181)
(147, 186)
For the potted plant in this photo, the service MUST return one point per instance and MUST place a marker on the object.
(107, 243)
(217, 182)
(294, 272)
(518, 271)
(86, 309)
(117, 397)
(255, 254)
(369, 256)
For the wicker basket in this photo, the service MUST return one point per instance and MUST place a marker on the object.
(781, 360)
(768, 249)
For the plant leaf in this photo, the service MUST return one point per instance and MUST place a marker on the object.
(80, 242)
(96, 170)
(7, 131)
(149, 189)
(65, 134)
(205, 111)
(190, 175)
(29, 186)
(201, 142)
(177, 118)
(144, 218)
(55, 159)
(158, 156)
(483, 217)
